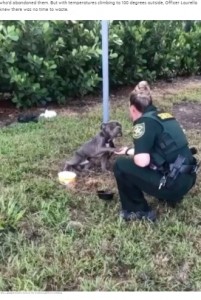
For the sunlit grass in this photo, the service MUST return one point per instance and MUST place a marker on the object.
(55, 239)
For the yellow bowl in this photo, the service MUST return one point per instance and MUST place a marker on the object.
(66, 177)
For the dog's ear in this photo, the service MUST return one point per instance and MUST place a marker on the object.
(103, 125)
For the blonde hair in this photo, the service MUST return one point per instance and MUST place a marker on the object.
(142, 87)
(140, 100)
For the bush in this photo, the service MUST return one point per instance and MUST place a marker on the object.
(49, 60)
(44, 61)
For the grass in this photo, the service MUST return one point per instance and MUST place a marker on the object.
(56, 239)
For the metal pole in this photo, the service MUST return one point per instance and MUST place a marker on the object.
(105, 71)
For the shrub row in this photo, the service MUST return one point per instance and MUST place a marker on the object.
(44, 61)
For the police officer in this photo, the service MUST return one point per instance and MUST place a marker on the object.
(162, 165)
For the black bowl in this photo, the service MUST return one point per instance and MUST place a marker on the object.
(105, 195)
(27, 118)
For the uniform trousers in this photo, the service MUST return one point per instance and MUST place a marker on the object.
(132, 181)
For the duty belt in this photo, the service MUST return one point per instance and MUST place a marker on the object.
(185, 169)
(171, 172)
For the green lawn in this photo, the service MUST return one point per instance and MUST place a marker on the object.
(55, 239)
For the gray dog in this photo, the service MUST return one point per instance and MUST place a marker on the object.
(101, 146)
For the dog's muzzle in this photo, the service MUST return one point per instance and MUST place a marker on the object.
(119, 134)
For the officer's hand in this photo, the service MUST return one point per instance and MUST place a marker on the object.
(121, 151)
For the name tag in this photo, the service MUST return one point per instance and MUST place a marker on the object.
(165, 116)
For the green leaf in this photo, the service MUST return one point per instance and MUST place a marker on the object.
(74, 52)
(46, 26)
(113, 55)
(13, 37)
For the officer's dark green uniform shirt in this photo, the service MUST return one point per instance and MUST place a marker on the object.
(160, 135)
(133, 180)
(145, 132)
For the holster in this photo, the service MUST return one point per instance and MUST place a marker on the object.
(179, 167)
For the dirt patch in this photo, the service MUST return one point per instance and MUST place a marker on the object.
(162, 87)
(94, 179)
(188, 114)
(9, 114)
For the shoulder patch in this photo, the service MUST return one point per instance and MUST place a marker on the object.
(138, 130)
(165, 116)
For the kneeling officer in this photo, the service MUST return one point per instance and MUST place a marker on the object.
(163, 165)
